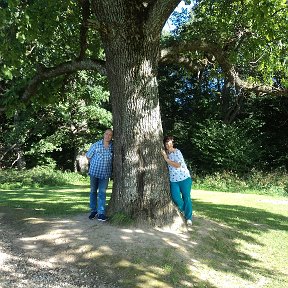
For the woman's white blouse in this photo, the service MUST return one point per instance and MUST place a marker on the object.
(181, 173)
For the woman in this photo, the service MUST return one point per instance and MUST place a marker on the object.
(180, 179)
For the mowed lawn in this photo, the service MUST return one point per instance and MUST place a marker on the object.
(238, 240)
(247, 245)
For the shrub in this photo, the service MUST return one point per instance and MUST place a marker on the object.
(257, 182)
(37, 177)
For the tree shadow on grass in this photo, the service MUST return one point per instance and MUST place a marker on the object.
(140, 257)
(243, 217)
(46, 201)
(231, 225)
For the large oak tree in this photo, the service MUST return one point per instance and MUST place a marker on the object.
(130, 32)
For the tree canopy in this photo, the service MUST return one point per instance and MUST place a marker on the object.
(58, 62)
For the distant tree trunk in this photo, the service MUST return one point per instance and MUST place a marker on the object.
(82, 162)
(75, 160)
(141, 186)
(20, 160)
(231, 102)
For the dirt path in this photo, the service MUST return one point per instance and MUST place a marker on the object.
(73, 252)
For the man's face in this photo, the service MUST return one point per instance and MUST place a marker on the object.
(108, 135)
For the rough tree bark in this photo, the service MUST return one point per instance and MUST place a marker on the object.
(131, 42)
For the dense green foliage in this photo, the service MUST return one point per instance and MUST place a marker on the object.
(39, 176)
(66, 113)
(246, 134)
(218, 126)
(59, 130)
(252, 32)
(274, 183)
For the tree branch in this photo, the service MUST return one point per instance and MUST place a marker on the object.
(176, 54)
(85, 4)
(44, 73)
(159, 12)
(7, 150)
(234, 42)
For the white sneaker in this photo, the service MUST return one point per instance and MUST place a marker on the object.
(189, 222)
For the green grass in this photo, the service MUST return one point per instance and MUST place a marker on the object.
(248, 242)
(238, 240)
(56, 201)
(45, 201)
(46, 192)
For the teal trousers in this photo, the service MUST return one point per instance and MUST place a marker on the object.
(180, 192)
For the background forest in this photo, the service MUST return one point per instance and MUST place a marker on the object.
(218, 126)
(220, 76)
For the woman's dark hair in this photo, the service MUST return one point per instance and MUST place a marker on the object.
(168, 138)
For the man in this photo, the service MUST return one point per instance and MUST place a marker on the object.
(100, 157)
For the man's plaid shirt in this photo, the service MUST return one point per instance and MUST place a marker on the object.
(101, 159)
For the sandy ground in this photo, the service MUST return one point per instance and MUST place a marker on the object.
(76, 252)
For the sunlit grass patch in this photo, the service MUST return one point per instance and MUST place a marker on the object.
(244, 239)
(66, 200)
(46, 191)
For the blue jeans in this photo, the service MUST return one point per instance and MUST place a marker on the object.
(180, 192)
(98, 200)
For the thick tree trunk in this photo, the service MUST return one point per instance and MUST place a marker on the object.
(141, 187)
(20, 160)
